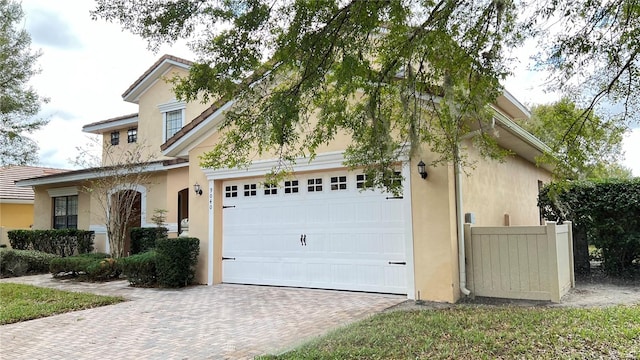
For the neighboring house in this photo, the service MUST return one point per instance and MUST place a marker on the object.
(315, 229)
(16, 203)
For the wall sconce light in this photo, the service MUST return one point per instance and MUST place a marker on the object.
(422, 169)
(197, 188)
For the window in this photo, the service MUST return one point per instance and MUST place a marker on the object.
(173, 116)
(65, 212)
(338, 183)
(250, 189)
(173, 122)
(314, 185)
(132, 135)
(291, 187)
(361, 181)
(270, 189)
(115, 137)
(395, 180)
(231, 191)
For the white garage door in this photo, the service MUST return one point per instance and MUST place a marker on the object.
(318, 231)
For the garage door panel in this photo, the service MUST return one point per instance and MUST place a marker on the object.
(369, 212)
(351, 236)
(393, 244)
(341, 213)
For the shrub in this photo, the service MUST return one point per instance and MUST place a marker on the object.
(103, 269)
(140, 269)
(176, 260)
(63, 242)
(609, 211)
(19, 239)
(94, 267)
(22, 262)
(144, 239)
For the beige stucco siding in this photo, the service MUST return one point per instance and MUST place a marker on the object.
(117, 154)
(43, 206)
(199, 215)
(176, 180)
(494, 189)
(150, 123)
(434, 233)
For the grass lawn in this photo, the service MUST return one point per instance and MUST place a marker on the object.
(472, 332)
(20, 302)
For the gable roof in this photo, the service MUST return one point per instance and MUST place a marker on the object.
(10, 193)
(132, 94)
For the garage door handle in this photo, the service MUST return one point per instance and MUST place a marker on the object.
(394, 197)
(397, 263)
(228, 206)
(228, 258)
(303, 239)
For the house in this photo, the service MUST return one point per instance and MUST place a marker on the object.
(315, 229)
(16, 203)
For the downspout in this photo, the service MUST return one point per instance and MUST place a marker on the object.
(459, 215)
(460, 224)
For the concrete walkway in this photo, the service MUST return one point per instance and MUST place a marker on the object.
(200, 322)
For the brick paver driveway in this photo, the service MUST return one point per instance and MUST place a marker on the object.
(201, 322)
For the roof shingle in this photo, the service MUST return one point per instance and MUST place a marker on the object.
(10, 174)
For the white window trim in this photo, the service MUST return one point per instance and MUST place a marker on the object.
(171, 106)
(63, 191)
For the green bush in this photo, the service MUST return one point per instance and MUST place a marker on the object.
(19, 239)
(144, 239)
(176, 260)
(63, 242)
(94, 267)
(609, 211)
(140, 269)
(22, 262)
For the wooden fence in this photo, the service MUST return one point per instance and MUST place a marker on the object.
(520, 262)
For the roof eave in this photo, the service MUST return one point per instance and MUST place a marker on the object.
(108, 126)
(133, 94)
(90, 174)
(532, 146)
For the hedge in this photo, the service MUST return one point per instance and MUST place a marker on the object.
(144, 239)
(609, 212)
(176, 260)
(94, 267)
(140, 269)
(22, 262)
(62, 242)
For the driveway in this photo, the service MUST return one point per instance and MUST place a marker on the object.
(200, 322)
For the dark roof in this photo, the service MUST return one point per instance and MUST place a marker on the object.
(10, 174)
(152, 68)
(102, 122)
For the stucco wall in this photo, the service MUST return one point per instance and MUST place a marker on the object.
(434, 232)
(18, 216)
(177, 179)
(150, 123)
(12, 217)
(494, 189)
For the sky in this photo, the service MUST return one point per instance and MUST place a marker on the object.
(87, 64)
